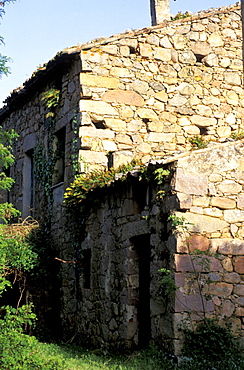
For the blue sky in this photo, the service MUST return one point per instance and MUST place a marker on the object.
(35, 30)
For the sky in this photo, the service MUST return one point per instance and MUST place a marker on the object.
(35, 30)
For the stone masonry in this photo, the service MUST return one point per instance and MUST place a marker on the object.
(142, 94)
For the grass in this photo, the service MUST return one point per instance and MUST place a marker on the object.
(76, 358)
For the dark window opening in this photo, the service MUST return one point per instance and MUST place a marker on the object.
(87, 268)
(132, 50)
(199, 57)
(99, 124)
(203, 130)
(143, 250)
(28, 184)
(145, 120)
(110, 160)
(59, 153)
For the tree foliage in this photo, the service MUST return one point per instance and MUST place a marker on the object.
(4, 69)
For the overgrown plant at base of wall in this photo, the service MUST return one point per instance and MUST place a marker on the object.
(209, 344)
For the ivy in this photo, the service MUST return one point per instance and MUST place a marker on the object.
(74, 146)
(45, 159)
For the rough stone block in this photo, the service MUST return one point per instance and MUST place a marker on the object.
(239, 265)
(184, 200)
(190, 183)
(93, 157)
(162, 96)
(146, 50)
(201, 121)
(195, 263)
(29, 142)
(123, 97)
(221, 289)
(192, 302)
(227, 309)
(239, 311)
(147, 113)
(122, 157)
(232, 278)
(227, 264)
(99, 81)
(234, 216)
(201, 223)
(230, 187)
(162, 54)
(115, 124)
(232, 78)
(200, 48)
(198, 242)
(192, 130)
(226, 246)
(239, 290)
(222, 202)
(240, 201)
(98, 107)
(160, 137)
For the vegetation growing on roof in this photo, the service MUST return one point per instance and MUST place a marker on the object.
(83, 184)
(181, 15)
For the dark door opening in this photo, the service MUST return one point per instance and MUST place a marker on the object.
(143, 250)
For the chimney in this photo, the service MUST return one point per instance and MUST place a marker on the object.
(160, 10)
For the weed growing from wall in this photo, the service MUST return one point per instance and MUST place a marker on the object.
(237, 135)
(198, 142)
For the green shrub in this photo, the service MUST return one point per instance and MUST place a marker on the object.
(211, 346)
(23, 352)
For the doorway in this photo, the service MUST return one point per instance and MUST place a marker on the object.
(142, 249)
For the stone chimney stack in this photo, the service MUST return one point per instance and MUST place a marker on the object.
(160, 10)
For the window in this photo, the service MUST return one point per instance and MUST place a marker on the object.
(87, 268)
(59, 152)
(28, 184)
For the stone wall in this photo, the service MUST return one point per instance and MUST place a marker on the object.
(28, 118)
(117, 303)
(209, 189)
(128, 225)
(145, 93)
(142, 94)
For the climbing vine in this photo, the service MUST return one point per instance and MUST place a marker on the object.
(45, 159)
(74, 145)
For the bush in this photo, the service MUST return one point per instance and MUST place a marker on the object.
(211, 346)
(19, 351)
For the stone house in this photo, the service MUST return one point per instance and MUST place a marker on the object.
(146, 94)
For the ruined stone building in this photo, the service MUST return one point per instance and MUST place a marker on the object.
(148, 94)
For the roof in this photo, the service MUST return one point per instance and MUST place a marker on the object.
(67, 55)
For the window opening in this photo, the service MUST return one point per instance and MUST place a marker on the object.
(143, 253)
(87, 268)
(28, 184)
(59, 152)
(99, 124)
(203, 130)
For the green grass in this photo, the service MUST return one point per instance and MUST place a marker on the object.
(76, 358)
